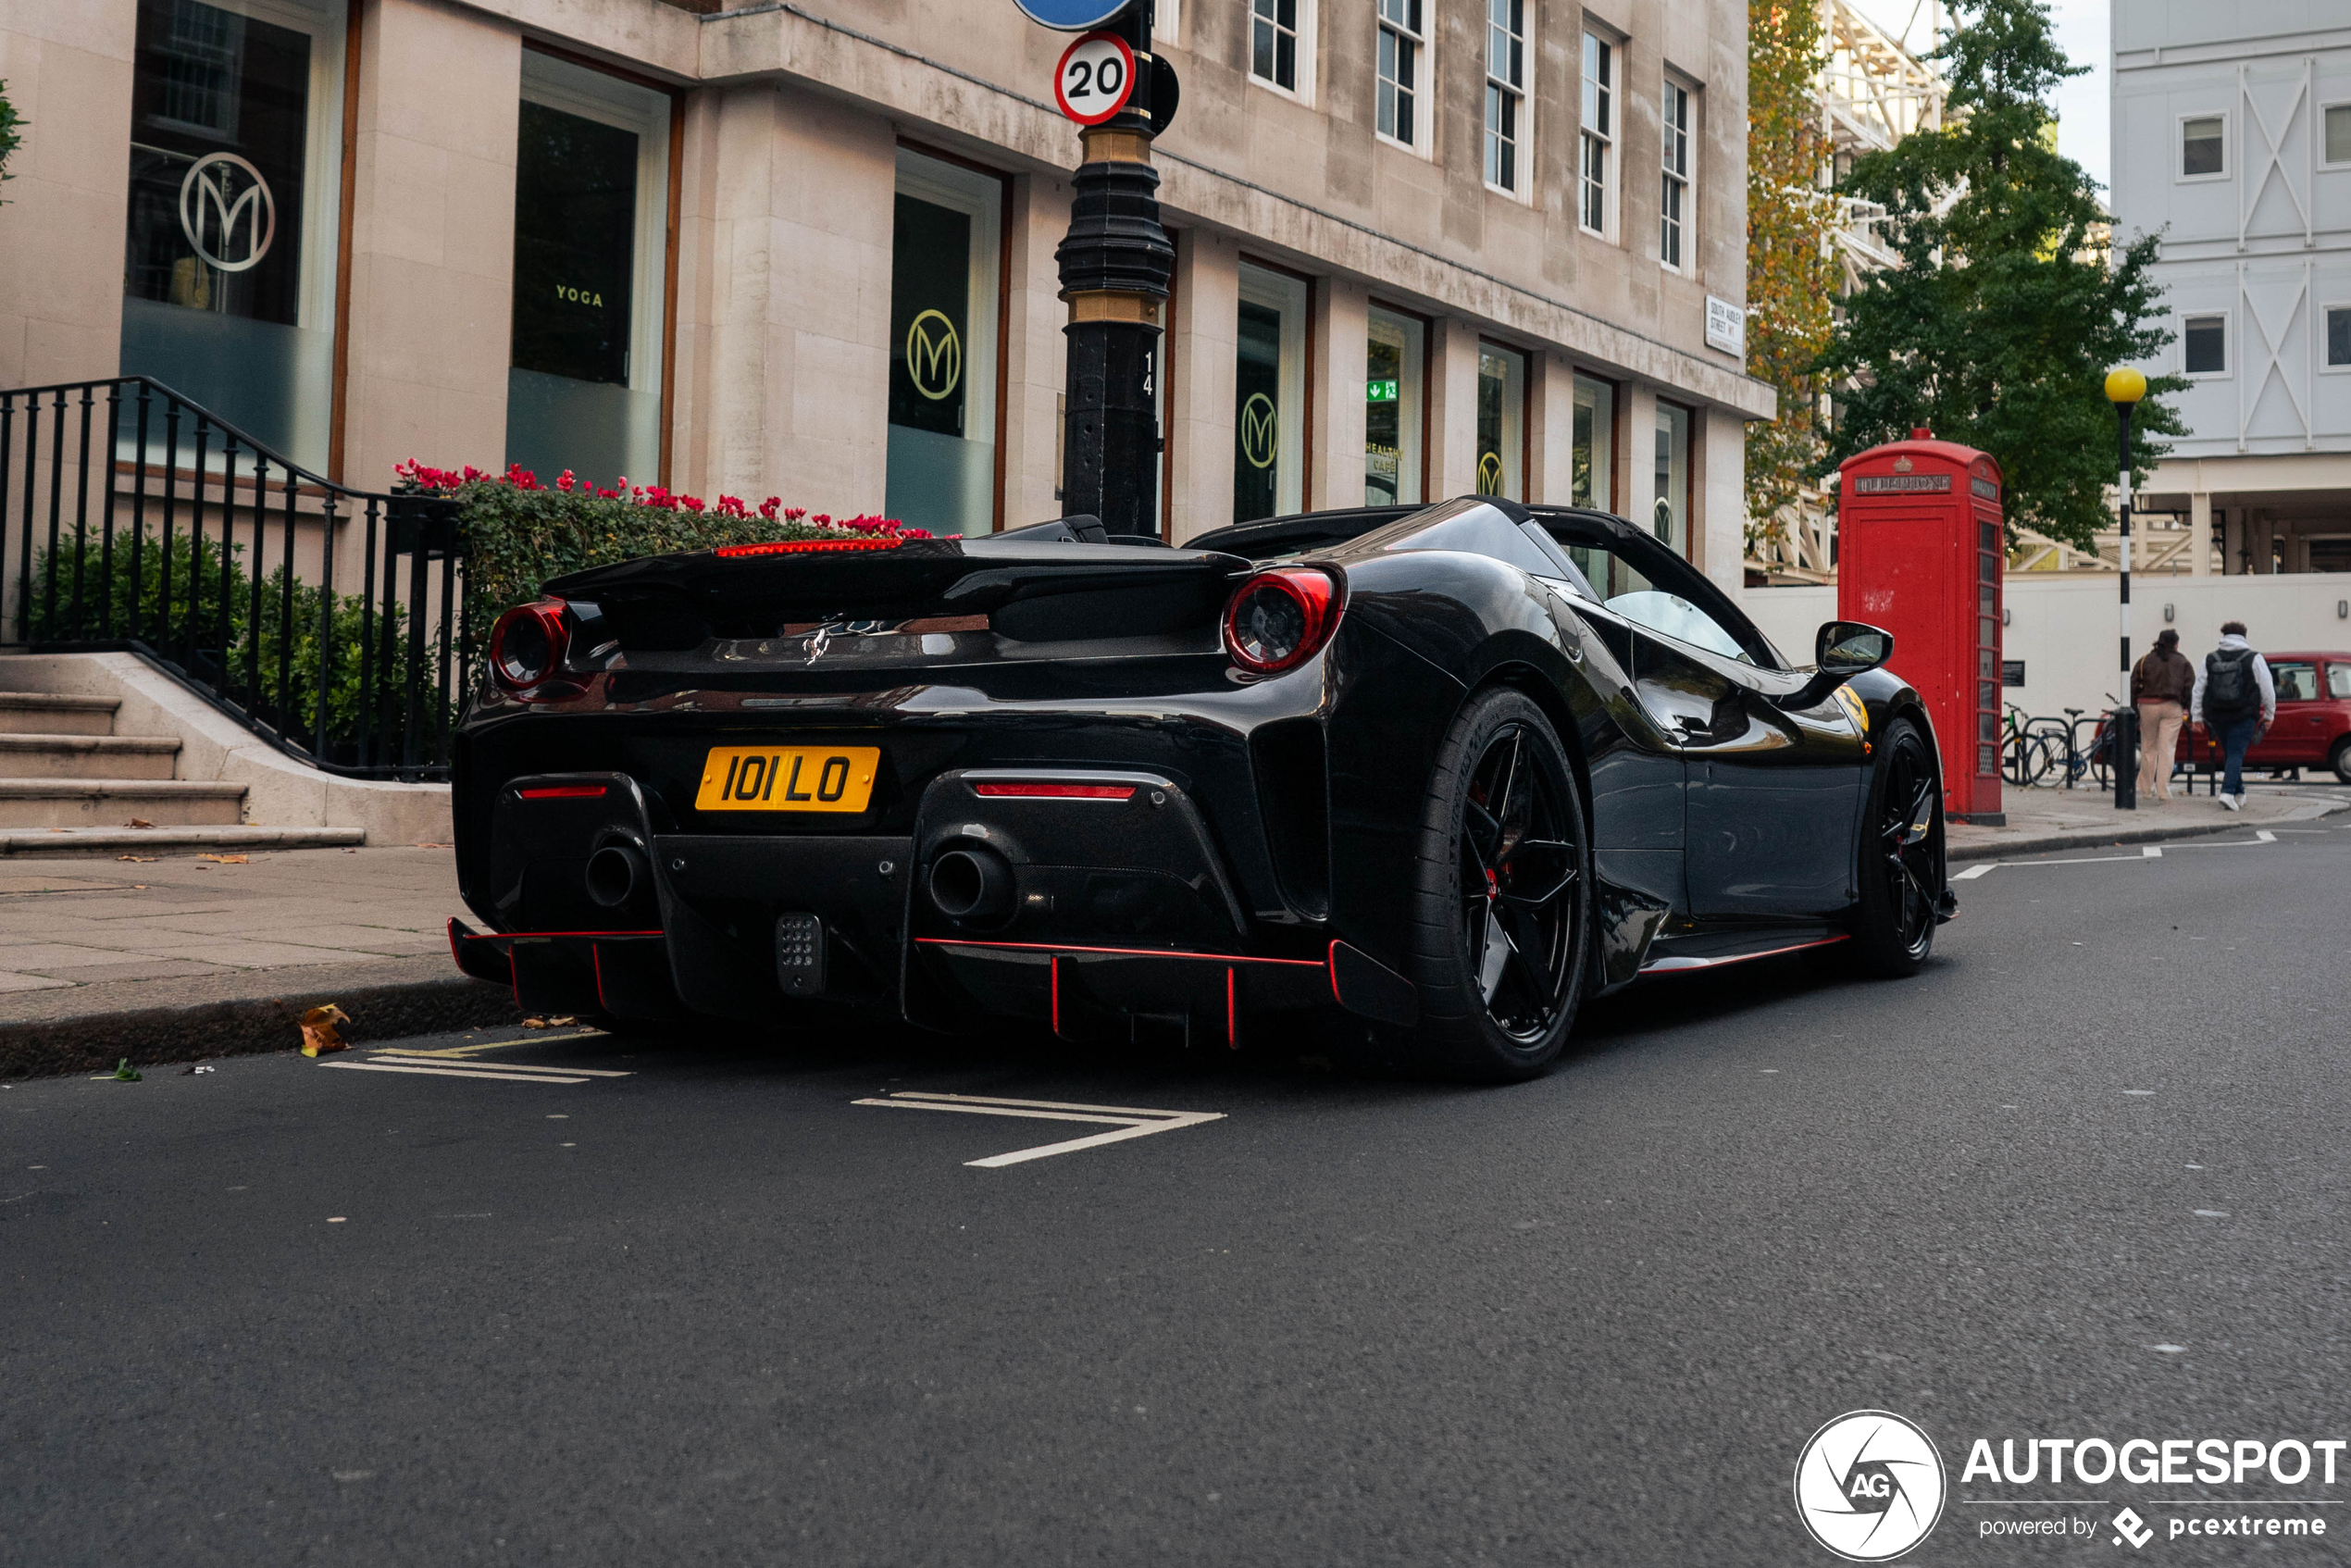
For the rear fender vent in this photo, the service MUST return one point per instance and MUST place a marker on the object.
(1294, 794)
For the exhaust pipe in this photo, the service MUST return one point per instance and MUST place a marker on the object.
(616, 874)
(970, 884)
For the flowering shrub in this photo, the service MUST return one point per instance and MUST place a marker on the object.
(520, 532)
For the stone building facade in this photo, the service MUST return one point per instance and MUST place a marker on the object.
(1424, 247)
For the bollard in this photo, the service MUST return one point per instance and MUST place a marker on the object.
(2123, 723)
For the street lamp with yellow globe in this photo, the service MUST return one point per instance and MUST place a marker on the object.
(2124, 388)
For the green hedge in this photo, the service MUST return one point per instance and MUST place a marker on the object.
(103, 610)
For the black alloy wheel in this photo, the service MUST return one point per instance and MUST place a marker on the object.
(1902, 855)
(1502, 928)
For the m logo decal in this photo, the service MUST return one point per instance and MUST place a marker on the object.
(208, 212)
(934, 355)
(1260, 431)
(1490, 473)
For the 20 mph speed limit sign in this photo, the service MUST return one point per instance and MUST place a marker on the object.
(1095, 78)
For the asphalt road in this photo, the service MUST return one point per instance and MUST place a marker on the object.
(716, 1311)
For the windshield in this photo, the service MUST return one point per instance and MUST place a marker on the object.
(1677, 619)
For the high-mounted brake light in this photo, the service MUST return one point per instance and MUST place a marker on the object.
(527, 650)
(803, 546)
(562, 792)
(1052, 790)
(1281, 619)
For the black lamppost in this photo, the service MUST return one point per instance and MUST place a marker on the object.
(2123, 388)
(1116, 263)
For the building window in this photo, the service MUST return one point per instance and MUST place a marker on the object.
(2203, 147)
(592, 226)
(1399, 62)
(1502, 421)
(1593, 202)
(229, 256)
(2338, 133)
(2205, 339)
(1505, 89)
(2338, 335)
(1392, 406)
(945, 246)
(1670, 512)
(1675, 195)
(1273, 55)
(1591, 479)
(1269, 395)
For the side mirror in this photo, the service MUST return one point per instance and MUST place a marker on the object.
(1841, 651)
(1851, 648)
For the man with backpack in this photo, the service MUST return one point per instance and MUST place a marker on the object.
(2236, 701)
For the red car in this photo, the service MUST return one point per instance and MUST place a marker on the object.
(2313, 726)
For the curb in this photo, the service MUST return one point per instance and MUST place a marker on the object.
(245, 1025)
(2049, 842)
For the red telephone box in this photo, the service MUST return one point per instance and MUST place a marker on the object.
(1922, 552)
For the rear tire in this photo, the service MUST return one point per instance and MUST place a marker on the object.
(1502, 926)
(2340, 759)
(1900, 856)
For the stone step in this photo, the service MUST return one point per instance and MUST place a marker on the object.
(170, 840)
(113, 803)
(26, 755)
(42, 713)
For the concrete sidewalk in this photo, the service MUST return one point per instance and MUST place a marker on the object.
(175, 957)
(2057, 819)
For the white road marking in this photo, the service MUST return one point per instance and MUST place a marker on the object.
(403, 1056)
(1128, 1121)
(450, 1072)
(2147, 851)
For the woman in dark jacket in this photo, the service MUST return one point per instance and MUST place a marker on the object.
(2161, 685)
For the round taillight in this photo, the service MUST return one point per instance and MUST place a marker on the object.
(1280, 618)
(527, 645)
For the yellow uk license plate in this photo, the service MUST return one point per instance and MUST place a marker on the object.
(788, 779)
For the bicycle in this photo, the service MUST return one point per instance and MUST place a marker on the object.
(2024, 756)
(2096, 761)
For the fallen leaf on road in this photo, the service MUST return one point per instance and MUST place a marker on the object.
(318, 1029)
(426, 846)
(558, 1023)
(138, 822)
(125, 1073)
(138, 859)
(226, 859)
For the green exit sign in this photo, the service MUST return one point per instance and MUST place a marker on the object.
(1382, 392)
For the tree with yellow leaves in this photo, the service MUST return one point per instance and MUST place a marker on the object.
(1791, 276)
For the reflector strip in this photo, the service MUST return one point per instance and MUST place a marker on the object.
(803, 546)
(1043, 791)
(1118, 951)
(563, 792)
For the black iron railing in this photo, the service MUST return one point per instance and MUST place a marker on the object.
(326, 620)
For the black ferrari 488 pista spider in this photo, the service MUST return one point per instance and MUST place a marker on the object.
(1447, 771)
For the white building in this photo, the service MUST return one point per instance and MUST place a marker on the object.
(2232, 141)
